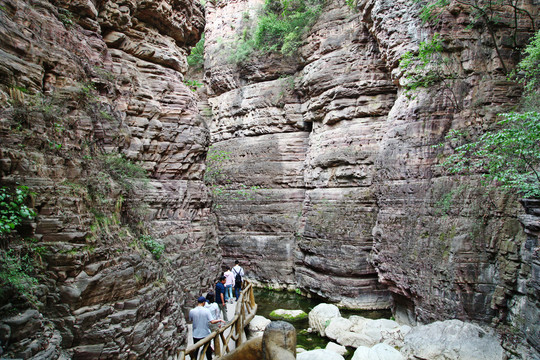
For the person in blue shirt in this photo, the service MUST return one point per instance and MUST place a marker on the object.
(201, 319)
(220, 296)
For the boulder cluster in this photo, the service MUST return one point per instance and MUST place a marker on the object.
(385, 339)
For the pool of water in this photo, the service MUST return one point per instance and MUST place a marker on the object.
(270, 300)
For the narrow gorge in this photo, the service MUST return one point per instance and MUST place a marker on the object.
(317, 169)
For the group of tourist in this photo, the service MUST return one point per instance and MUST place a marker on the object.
(208, 309)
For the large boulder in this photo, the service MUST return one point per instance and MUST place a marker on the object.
(319, 354)
(340, 349)
(321, 315)
(257, 325)
(288, 315)
(377, 352)
(452, 340)
(358, 331)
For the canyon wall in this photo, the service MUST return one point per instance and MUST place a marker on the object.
(81, 83)
(329, 178)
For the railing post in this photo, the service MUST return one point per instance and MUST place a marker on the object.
(217, 346)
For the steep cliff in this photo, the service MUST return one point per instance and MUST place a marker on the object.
(118, 255)
(329, 176)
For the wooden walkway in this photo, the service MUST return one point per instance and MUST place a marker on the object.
(230, 336)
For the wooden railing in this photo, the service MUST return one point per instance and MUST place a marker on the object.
(244, 312)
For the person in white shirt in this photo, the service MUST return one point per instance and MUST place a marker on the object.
(201, 318)
(212, 306)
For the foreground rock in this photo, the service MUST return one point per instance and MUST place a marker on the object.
(340, 349)
(288, 315)
(452, 340)
(257, 325)
(358, 331)
(319, 354)
(378, 352)
(321, 315)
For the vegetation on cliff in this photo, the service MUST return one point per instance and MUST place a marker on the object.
(42, 127)
(196, 56)
(279, 28)
(486, 14)
(13, 208)
(509, 155)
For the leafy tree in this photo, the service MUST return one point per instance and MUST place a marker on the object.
(510, 154)
(196, 57)
(283, 24)
(428, 67)
(529, 67)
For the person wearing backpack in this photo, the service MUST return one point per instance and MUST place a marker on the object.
(238, 278)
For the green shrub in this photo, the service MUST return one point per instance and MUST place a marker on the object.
(280, 28)
(16, 271)
(529, 67)
(13, 208)
(193, 85)
(127, 173)
(428, 67)
(196, 57)
(510, 155)
(152, 245)
(284, 22)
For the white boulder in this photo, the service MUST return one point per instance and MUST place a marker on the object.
(320, 316)
(337, 326)
(332, 346)
(451, 340)
(359, 331)
(319, 354)
(377, 352)
(257, 325)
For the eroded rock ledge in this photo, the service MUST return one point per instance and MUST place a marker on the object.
(346, 157)
(112, 73)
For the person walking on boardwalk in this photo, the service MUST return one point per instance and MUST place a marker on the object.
(220, 296)
(229, 284)
(212, 305)
(201, 319)
(238, 278)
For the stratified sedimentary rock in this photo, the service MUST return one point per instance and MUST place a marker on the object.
(331, 141)
(97, 79)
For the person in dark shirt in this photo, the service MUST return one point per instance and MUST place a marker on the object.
(220, 296)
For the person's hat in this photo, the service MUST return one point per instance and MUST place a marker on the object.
(201, 299)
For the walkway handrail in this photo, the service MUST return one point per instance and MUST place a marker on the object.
(244, 312)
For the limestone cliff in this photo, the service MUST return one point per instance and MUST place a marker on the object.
(345, 199)
(80, 83)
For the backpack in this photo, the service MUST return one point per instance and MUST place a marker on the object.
(237, 278)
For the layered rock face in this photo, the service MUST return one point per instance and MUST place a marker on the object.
(307, 136)
(365, 212)
(81, 82)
